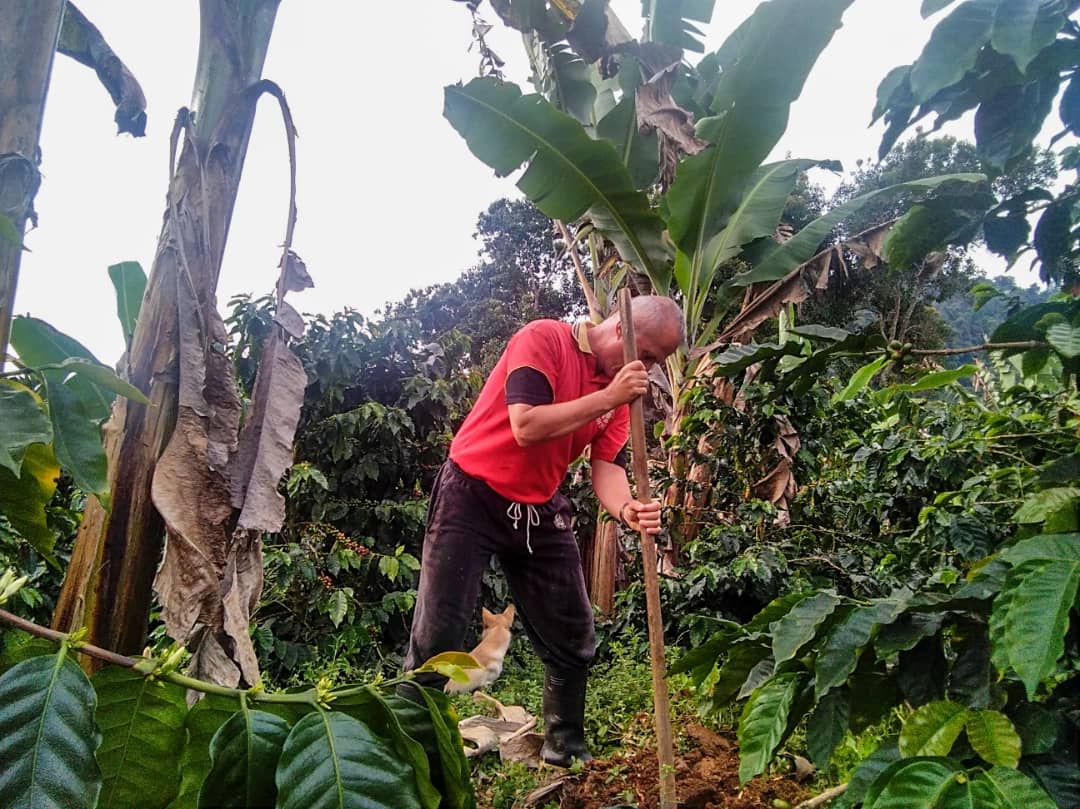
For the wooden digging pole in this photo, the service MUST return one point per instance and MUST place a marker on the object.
(664, 750)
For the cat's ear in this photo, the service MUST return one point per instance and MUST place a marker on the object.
(487, 615)
(508, 613)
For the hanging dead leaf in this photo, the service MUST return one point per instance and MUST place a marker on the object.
(658, 110)
(294, 274)
(83, 42)
(290, 320)
(265, 446)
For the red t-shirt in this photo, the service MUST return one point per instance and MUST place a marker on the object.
(485, 447)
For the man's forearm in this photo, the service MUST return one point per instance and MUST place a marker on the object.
(534, 424)
(611, 486)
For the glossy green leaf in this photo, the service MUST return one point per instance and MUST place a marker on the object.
(434, 725)
(1053, 240)
(76, 405)
(1044, 547)
(569, 173)
(859, 380)
(142, 729)
(1042, 504)
(799, 249)
(762, 671)
(97, 374)
(24, 423)
(640, 152)
(339, 605)
(1022, 28)
(455, 768)
(768, 60)
(937, 379)
(700, 659)
(76, 434)
(798, 627)
(567, 84)
(23, 499)
(738, 358)
(1008, 122)
(331, 760)
(381, 714)
(912, 783)
(953, 47)
(203, 721)
(1014, 789)
(743, 656)
(827, 726)
(1037, 598)
(129, 281)
(845, 642)
(243, 753)
(1065, 338)
(764, 721)
(906, 633)
(48, 736)
(18, 646)
(933, 729)
(993, 737)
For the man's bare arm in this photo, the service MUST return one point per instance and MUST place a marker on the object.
(613, 491)
(534, 424)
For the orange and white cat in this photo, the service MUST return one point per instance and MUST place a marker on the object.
(489, 652)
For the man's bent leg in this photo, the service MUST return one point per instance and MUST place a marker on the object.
(549, 588)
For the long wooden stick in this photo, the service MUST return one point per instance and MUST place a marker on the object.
(664, 750)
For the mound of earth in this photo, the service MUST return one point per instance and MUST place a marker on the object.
(706, 777)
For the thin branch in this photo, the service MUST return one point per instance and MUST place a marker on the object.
(87, 649)
(590, 296)
(823, 798)
(942, 352)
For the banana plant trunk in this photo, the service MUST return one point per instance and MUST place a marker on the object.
(108, 586)
(29, 31)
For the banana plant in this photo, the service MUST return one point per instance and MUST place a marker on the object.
(672, 173)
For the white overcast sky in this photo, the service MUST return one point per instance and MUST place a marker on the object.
(388, 193)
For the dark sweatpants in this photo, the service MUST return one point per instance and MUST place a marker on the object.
(467, 523)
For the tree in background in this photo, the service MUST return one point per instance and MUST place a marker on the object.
(522, 275)
(902, 297)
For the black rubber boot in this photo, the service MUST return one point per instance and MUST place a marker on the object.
(564, 718)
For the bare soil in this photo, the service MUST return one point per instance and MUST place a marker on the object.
(706, 777)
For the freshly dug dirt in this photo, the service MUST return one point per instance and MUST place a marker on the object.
(706, 777)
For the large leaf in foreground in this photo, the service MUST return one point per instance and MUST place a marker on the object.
(244, 751)
(203, 721)
(332, 761)
(994, 738)
(1013, 788)
(48, 736)
(1035, 603)
(845, 642)
(764, 721)
(142, 728)
(799, 626)
(568, 174)
(912, 783)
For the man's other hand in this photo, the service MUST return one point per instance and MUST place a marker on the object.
(643, 516)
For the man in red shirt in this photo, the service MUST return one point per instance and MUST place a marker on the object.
(556, 390)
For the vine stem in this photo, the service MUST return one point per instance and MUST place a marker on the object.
(823, 798)
(309, 697)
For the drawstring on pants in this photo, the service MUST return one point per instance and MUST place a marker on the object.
(532, 517)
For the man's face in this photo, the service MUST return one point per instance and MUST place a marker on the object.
(651, 349)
